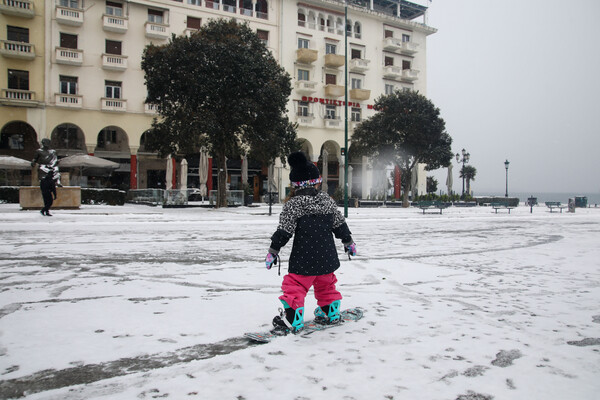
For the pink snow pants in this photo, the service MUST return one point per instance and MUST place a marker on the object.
(295, 287)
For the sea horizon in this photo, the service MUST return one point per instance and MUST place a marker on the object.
(563, 197)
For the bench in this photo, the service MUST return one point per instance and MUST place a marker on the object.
(501, 206)
(429, 205)
(555, 204)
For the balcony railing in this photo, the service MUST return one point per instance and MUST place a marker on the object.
(409, 48)
(246, 12)
(334, 90)
(150, 108)
(333, 123)
(334, 60)
(17, 8)
(392, 71)
(306, 56)
(18, 97)
(359, 65)
(305, 119)
(360, 94)
(262, 15)
(69, 56)
(391, 44)
(116, 24)
(69, 16)
(229, 8)
(22, 50)
(114, 105)
(157, 31)
(68, 100)
(410, 75)
(212, 4)
(114, 62)
(306, 87)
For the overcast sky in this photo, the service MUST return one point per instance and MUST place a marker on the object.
(519, 80)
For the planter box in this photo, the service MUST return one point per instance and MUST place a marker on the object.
(67, 197)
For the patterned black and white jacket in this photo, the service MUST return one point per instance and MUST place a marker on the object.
(312, 217)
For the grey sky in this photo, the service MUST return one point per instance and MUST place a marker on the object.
(519, 80)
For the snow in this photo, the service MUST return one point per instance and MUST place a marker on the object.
(139, 302)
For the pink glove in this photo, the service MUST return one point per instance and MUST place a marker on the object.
(271, 260)
(351, 249)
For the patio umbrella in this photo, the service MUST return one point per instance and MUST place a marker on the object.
(324, 185)
(449, 179)
(203, 173)
(88, 165)
(244, 171)
(413, 180)
(184, 175)
(10, 162)
(169, 173)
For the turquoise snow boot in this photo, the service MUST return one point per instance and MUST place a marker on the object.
(329, 314)
(289, 320)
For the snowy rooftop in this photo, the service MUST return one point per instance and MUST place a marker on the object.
(140, 302)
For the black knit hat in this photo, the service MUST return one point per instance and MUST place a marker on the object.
(303, 173)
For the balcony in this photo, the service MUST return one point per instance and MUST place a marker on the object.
(229, 8)
(410, 75)
(409, 48)
(150, 109)
(69, 16)
(392, 71)
(20, 50)
(305, 119)
(114, 105)
(69, 56)
(334, 90)
(18, 97)
(360, 94)
(334, 60)
(17, 8)
(114, 62)
(306, 87)
(306, 56)
(333, 123)
(247, 12)
(391, 44)
(74, 101)
(157, 31)
(212, 4)
(111, 23)
(359, 65)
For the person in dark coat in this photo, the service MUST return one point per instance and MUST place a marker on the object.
(48, 174)
(313, 218)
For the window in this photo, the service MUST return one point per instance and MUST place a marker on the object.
(389, 89)
(263, 36)
(69, 3)
(388, 61)
(405, 64)
(356, 83)
(303, 75)
(330, 112)
(349, 29)
(330, 79)
(303, 109)
(193, 23)
(106, 137)
(155, 16)
(303, 43)
(17, 34)
(115, 9)
(322, 24)
(388, 34)
(301, 18)
(112, 89)
(355, 53)
(68, 84)
(356, 114)
(194, 3)
(18, 79)
(357, 30)
(330, 48)
(68, 41)
(113, 47)
(405, 38)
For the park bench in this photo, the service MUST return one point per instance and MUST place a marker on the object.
(501, 206)
(555, 204)
(429, 205)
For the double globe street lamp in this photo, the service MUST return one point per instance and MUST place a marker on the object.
(464, 160)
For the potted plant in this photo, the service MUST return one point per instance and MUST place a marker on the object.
(248, 195)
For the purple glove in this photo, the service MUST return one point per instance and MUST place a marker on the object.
(350, 249)
(271, 260)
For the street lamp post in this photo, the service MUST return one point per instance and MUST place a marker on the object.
(506, 166)
(464, 160)
(346, 109)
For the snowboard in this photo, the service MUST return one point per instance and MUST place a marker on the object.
(310, 327)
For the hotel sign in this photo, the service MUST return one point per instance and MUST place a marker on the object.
(332, 102)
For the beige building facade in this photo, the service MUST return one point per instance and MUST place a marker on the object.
(71, 72)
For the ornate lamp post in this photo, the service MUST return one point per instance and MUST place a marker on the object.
(506, 166)
(464, 160)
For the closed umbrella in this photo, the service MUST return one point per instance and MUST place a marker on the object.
(449, 179)
(413, 181)
(203, 173)
(169, 173)
(325, 170)
(244, 171)
(183, 178)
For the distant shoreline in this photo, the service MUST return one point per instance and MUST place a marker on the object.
(593, 198)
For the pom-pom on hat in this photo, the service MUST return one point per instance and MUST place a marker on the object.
(303, 173)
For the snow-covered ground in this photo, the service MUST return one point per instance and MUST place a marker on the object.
(136, 302)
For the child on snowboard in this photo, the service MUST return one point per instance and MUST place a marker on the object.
(311, 216)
